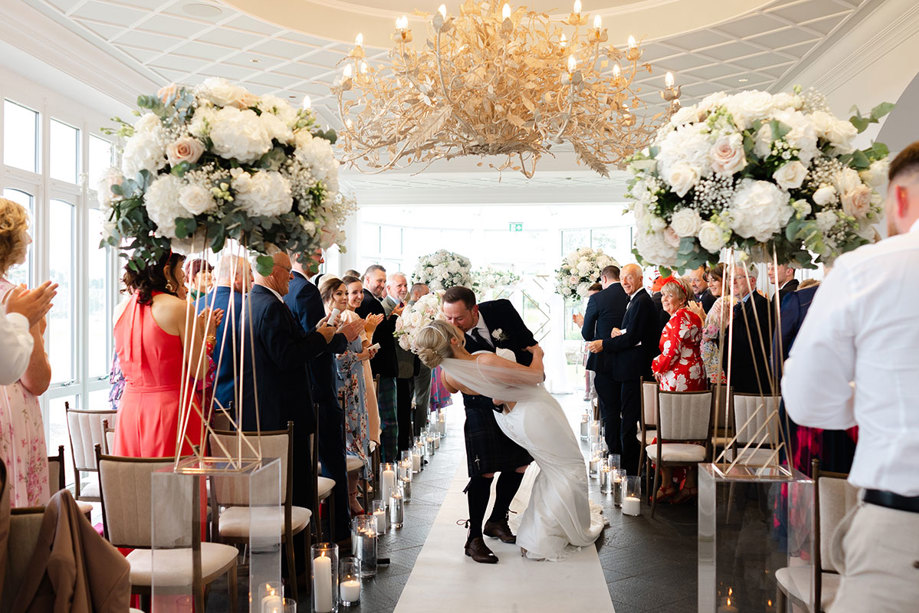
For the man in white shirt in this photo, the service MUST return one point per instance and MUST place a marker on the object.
(863, 329)
(22, 309)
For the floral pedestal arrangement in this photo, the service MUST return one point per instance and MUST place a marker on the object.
(753, 520)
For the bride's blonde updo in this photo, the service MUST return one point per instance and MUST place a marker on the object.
(432, 342)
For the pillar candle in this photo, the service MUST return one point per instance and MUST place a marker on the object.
(322, 584)
(416, 463)
(380, 516)
(350, 590)
(631, 506)
(388, 482)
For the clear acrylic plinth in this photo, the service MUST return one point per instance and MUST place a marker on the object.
(753, 520)
(249, 490)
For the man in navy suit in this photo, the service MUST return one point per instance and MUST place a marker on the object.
(630, 349)
(487, 327)
(306, 306)
(604, 313)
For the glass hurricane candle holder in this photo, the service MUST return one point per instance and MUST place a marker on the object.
(325, 577)
(396, 508)
(364, 543)
(270, 596)
(585, 426)
(380, 516)
(387, 480)
(349, 582)
(606, 478)
(617, 476)
(614, 461)
(631, 496)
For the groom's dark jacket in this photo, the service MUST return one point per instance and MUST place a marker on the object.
(605, 311)
(507, 332)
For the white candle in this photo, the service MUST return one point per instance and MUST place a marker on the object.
(272, 604)
(322, 584)
(436, 442)
(389, 481)
(380, 516)
(350, 590)
(595, 429)
(416, 463)
(631, 506)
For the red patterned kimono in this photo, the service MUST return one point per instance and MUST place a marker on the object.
(680, 362)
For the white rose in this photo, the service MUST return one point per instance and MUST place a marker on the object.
(671, 237)
(857, 202)
(790, 175)
(240, 135)
(682, 177)
(196, 199)
(264, 193)
(802, 135)
(276, 128)
(657, 224)
(839, 133)
(278, 106)
(762, 141)
(826, 220)
(759, 210)
(824, 195)
(689, 144)
(876, 175)
(686, 222)
(747, 107)
(687, 114)
(711, 237)
(802, 207)
(727, 155)
(846, 180)
(222, 93)
(162, 203)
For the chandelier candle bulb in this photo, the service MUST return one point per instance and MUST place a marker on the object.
(632, 43)
(598, 23)
(668, 79)
(402, 23)
(347, 72)
(577, 7)
(359, 40)
(572, 63)
(307, 102)
(442, 9)
(506, 11)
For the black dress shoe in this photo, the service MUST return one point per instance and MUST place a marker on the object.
(478, 551)
(499, 529)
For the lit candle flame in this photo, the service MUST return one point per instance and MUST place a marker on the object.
(348, 71)
(402, 23)
(506, 11)
(598, 22)
(617, 70)
(632, 43)
(359, 40)
(577, 7)
(442, 9)
(572, 63)
(307, 102)
(668, 79)
(363, 67)
(563, 41)
(349, 124)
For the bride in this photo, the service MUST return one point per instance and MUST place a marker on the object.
(559, 513)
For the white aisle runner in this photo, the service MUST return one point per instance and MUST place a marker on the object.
(445, 580)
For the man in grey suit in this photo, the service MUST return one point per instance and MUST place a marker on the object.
(396, 294)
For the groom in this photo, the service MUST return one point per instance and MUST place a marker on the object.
(488, 326)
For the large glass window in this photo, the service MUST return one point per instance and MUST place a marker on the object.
(64, 152)
(20, 136)
(100, 160)
(61, 319)
(97, 296)
(57, 429)
(22, 273)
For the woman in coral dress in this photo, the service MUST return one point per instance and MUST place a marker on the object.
(150, 333)
(679, 367)
(22, 433)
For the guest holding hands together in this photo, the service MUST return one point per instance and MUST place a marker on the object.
(355, 297)
(679, 367)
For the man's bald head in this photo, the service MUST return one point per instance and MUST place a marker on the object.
(279, 278)
(630, 276)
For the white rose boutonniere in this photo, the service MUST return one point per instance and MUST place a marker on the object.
(499, 335)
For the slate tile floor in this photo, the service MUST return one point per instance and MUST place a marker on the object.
(649, 564)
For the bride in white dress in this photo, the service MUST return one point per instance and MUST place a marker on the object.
(559, 513)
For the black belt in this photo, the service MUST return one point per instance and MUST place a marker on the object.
(892, 501)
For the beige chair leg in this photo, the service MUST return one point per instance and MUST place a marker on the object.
(291, 564)
(232, 588)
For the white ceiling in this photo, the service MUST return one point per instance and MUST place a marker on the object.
(188, 40)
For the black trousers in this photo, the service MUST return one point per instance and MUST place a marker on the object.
(332, 455)
(620, 407)
(404, 395)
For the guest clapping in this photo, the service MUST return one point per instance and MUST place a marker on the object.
(679, 366)
(715, 323)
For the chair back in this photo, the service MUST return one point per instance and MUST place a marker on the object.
(649, 403)
(835, 498)
(25, 526)
(754, 411)
(684, 416)
(86, 431)
(721, 395)
(108, 434)
(274, 444)
(56, 481)
(127, 504)
(220, 420)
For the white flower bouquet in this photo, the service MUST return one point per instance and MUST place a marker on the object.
(492, 281)
(759, 172)
(417, 316)
(442, 270)
(217, 162)
(579, 271)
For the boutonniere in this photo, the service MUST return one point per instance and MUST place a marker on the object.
(499, 335)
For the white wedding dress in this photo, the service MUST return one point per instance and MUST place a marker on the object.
(559, 514)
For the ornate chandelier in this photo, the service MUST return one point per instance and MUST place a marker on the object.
(496, 82)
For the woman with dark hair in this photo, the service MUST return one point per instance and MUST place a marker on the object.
(159, 338)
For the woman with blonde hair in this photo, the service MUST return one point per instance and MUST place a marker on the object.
(558, 513)
(22, 433)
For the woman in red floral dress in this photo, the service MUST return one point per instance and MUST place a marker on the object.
(679, 367)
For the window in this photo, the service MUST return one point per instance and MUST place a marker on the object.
(97, 272)
(56, 427)
(23, 272)
(574, 239)
(20, 137)
(61, 318)
(64, 152)
(100, 160)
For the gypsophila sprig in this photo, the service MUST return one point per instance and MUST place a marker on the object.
(579, 270)
(442, 270)
(758, 172)
(204, 165)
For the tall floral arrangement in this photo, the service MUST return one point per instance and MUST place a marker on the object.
(489, 280)
(759, 172)
(217, 162)
(579, 270)
(442, 270)
(416, 316)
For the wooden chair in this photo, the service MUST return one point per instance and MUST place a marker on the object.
(754, 427)
(57, 480)
(230, 511)
(683, 420)
(85, 431)
(127, 511)
(647, 420)
(108, 437)
(24, 529)
(814, 587)
(324, 485)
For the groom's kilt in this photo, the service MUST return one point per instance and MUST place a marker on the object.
(488, 450)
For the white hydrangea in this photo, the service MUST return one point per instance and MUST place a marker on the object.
(759, 210)
(146, 149)
(746, 107)
(711, 237)
(265, 193)
(826, 220)
(162, 202)
(689, 144)
(239, 135)
(317, 154)
(803, 134)
(276, 128)
(278, 107)
(654, 248)
(223, 93)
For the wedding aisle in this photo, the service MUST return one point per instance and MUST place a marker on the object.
(445, 579)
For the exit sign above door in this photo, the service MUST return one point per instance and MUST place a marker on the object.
(515, 226)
